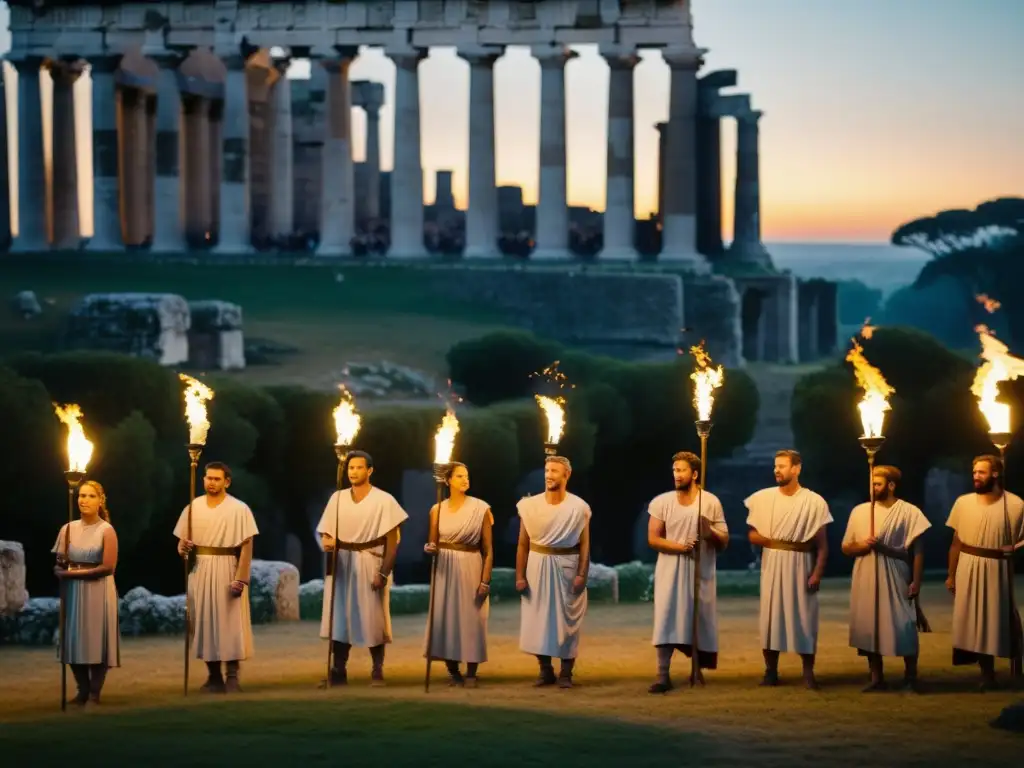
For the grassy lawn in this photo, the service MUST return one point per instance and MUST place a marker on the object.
(328, 315)
(608, 719)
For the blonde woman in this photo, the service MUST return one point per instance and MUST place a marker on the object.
(93, 643)
(461, 537)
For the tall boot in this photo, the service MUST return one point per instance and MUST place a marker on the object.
(454, 675)
(547, 672)
(565, 673)
(471, 680)
(97, 676)
(81, 675)
(664, 683)
(808, 663)
(771, 668)
(377, 657)
(231, 684)
(339, 666)
(214, 681)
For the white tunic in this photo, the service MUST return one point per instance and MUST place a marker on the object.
(551, 615)
(789, 612)
(981, 601)
(362, 615)
(94, 634)
(460, 619)
(673, 574)
(896, 527)
(222, 622)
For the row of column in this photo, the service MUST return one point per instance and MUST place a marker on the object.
(212, 112)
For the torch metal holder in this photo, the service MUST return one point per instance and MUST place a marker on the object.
(195, 450)
(440, 470)
(550, 449)
(1001, 440)
(74, 479)
(872, 445)
(341, 451)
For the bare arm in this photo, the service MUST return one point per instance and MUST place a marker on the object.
(756, 538)
(821, 542)
(109, 564)
(719, 540)
(390, 552)
(656, 539)
(522, 553)
(954, 559)
(244, 567)
(857, 548)
(918, 549)
(487, 547)
(584, 564)
(433, 531)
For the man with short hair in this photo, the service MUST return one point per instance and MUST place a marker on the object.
(988, 527)
(893, 553)
(222, 534)
(552, 563)
(788, 522)
(360, 525)
(680, 518)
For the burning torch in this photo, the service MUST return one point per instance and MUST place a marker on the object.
(196, 396)
(872, 415)
(706, 380)
(444, 445)
(1000, 366)
(346, 426)
(553, 407)
(79, 452)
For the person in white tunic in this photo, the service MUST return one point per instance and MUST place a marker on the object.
(988, 528)
(360, 525)
(93, 642)
(673, 533)
(223, 528)
(894, 554)
(461, 538)
(552, 564)
(788, 522)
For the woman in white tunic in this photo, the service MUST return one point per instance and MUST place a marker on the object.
(93, 641)
(461, 539)
(894, 552)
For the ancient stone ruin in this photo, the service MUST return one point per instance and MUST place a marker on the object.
(215, 337)
(13, 596)
(150, 325)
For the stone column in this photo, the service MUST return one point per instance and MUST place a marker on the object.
(618, 214)
(131, 133)
(282, 206)
(150, 168)
(552, 228)
(215, 148)
(679, 209)
(338, 205)
(168, 234)
(372, 109)
(709, 183)
(106, 187)
(64, 229)
(746, 244)
(482, 216)
(235, 228)
(196, 169)
(31, 168)
(660, 128)
(407, 174)
(5, 177)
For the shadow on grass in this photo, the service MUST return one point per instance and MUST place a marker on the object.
(349, 732)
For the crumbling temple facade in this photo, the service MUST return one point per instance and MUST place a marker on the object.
(200, 142)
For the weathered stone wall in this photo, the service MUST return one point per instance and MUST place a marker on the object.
(712, 313)
(153, 325)
(573, 305)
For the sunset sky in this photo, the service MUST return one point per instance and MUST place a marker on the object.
(875, 111)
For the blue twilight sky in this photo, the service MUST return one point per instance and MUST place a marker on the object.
(875, 111)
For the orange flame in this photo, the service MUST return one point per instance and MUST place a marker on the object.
(874, 404)
(346, 420)
(79, 447)
(999, 366)
(990, 304)
(444, 439)
(196, 396)
(706, 380)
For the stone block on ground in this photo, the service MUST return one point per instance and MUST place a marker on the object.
(274, 591)
(215, 338)
(150, 325)
(26, 304)
(13, 596)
